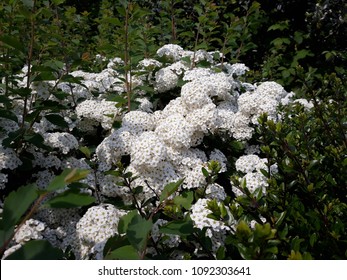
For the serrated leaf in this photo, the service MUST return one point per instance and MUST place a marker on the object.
(302, 54)
(138, 231)
(169, 189)
(12, 42)
(125, 220)
(7, 114)
(57, 120)
(17, 203)
(181, 228)
(127, 252)
(37, 250)
(185, 200)
(70, 199)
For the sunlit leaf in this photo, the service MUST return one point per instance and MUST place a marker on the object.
(70, 199)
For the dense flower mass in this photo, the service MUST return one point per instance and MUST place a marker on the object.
(161, 146)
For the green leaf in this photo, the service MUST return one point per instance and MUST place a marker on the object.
(12, 42)
(13, 137)
(59, 181)
(117, 98)
(302, 54)
(57, 120)
(85, 150)
(220, 255)
(280, 217)
(37, 140)
(70, 199)
(169, 189)
(181, 228)
(313, 239)
(127, 252)
(185, 200)
(7, 114)
(244, 251)
(76, 175)
(17, 203)
(279, 26)
(138, 231)
(280, 41)
(5, 233)
(58, 2)
(37, 250)
(4, 99)
(125, 220)
(113, 243)
(54, 64)
(205, 172)
(45, 76)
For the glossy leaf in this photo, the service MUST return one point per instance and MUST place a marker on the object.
(181, 228)
(57, 120)
(70, 199)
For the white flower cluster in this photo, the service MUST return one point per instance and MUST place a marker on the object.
(93, 112)
(32, 229)
(61, 140)
(265, 99)
(252, 166)
(97, 225)
(8, 159)
(199, 213)
(161, 145)
(171, 51)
